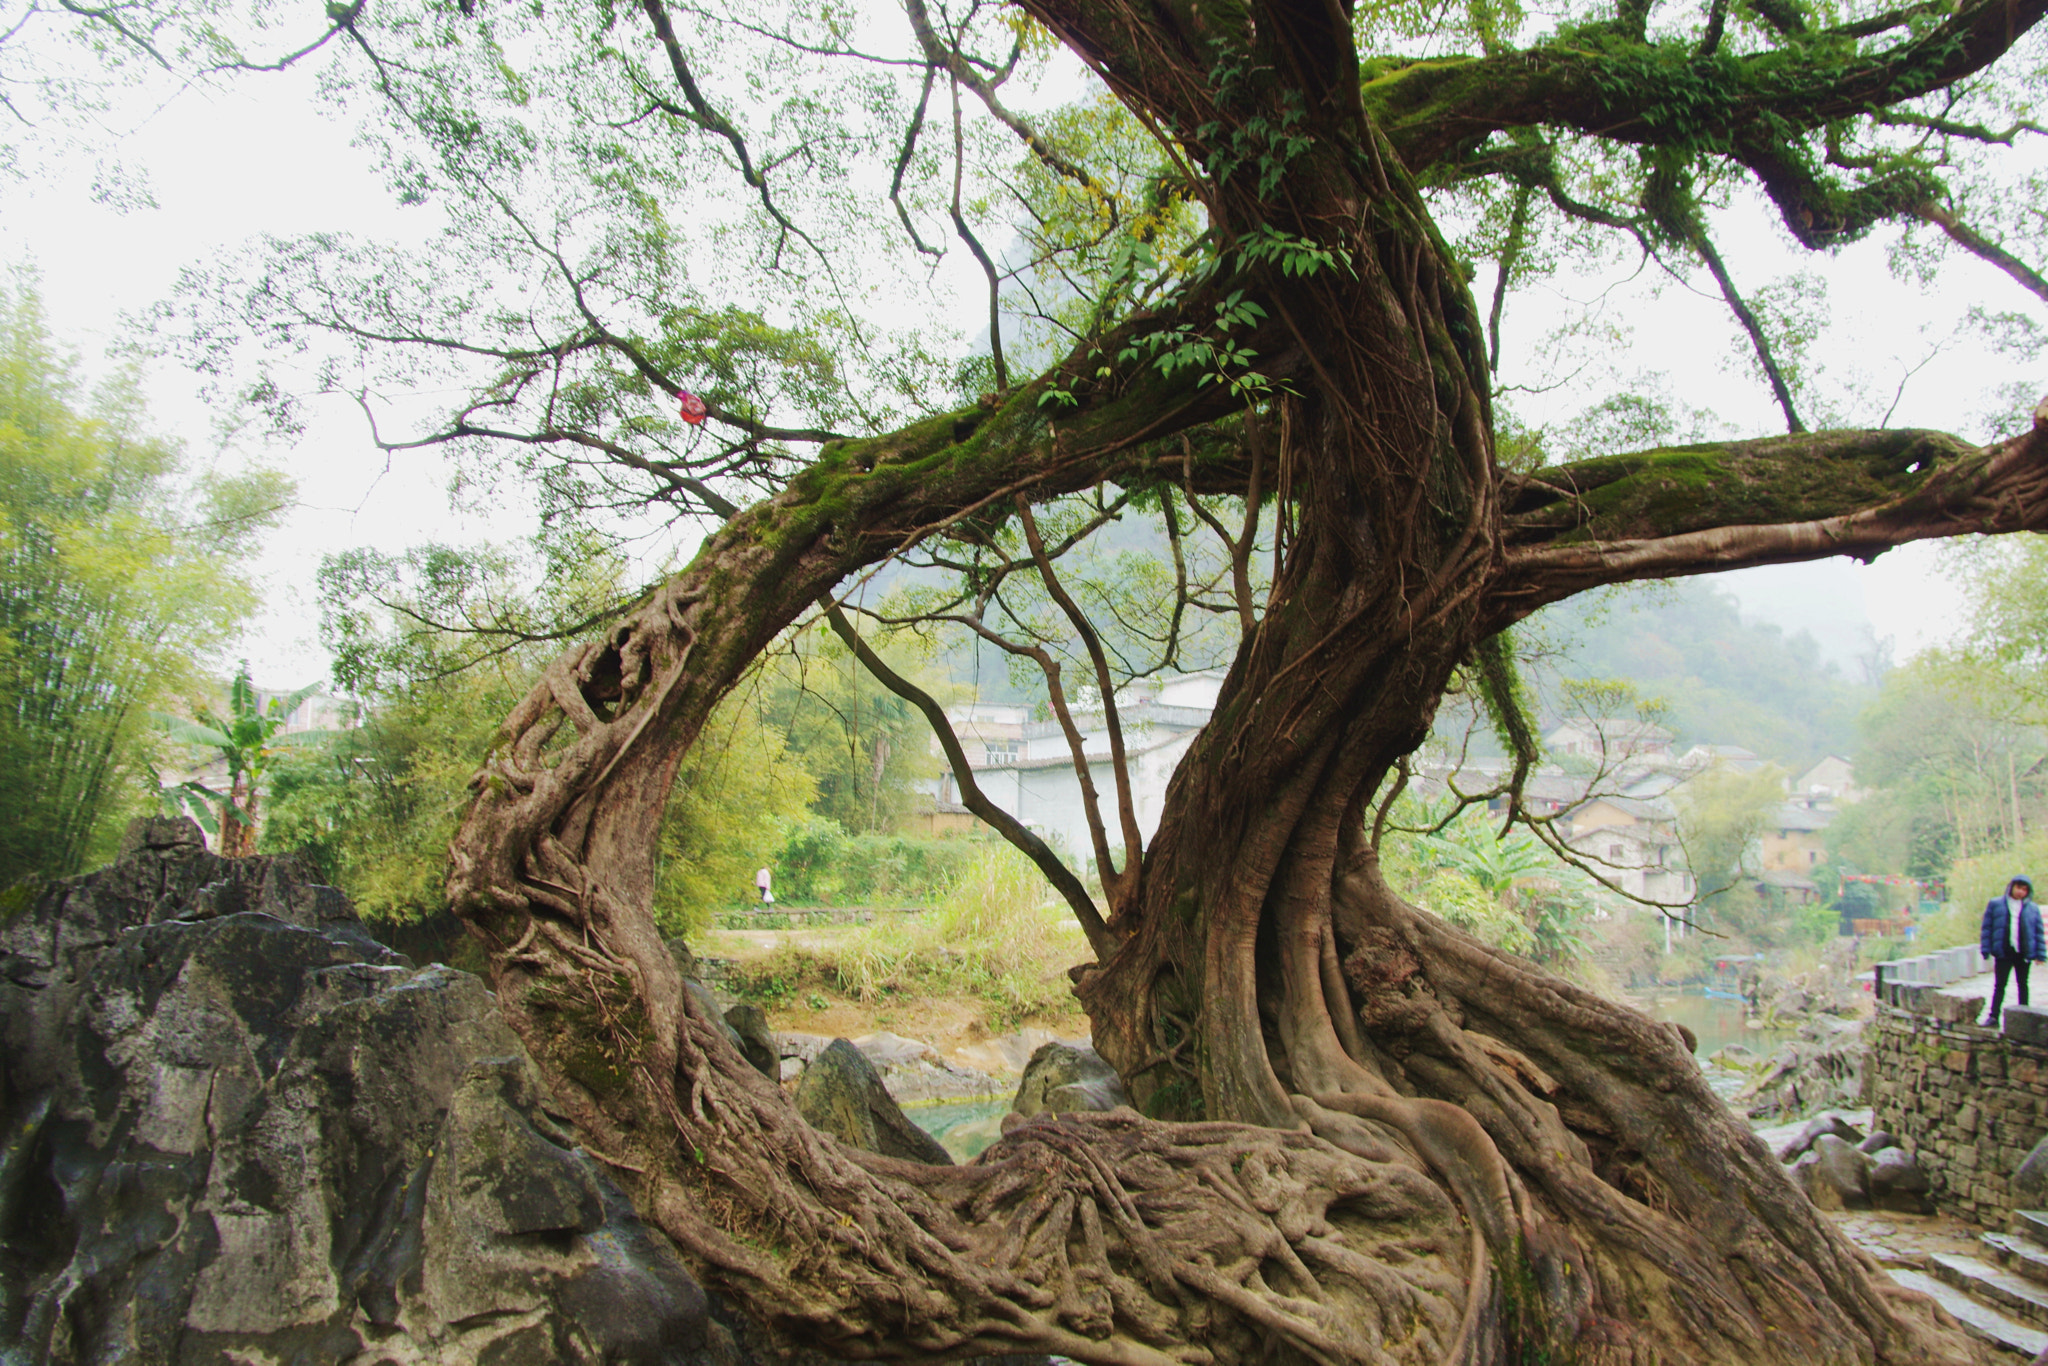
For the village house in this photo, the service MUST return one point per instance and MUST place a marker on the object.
(1026, 767)
(1608, 738)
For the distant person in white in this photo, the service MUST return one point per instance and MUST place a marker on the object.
(2011, 938)
(763, 878)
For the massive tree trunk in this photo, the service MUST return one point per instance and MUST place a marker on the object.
(1408, 1146)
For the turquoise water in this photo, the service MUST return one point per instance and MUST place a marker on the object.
(963, 1127)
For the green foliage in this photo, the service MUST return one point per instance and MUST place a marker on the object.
(1495, 863)
(1957, 923)
(441, 642)
(437, 644)
(996, 936)
(1722, 815)
(377, 808)
(1950, 745)
(1957, 741)
(821, 864)
(1975, 880)
(1902, 829)
(2005, 646)
(864, 747)
(247, 738)
(1459, 898)
(1507, 890)
(1209, 353)
(121, 573)
(739, 797)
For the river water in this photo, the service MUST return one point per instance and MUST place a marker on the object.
(963, 1127)
(1714, 1021)
(966, 1127)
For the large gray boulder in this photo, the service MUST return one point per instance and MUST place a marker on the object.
(1833, 1174)
(749, 1024)
(1065, 1077)
(915, 1074)
(842, 1094)
(1897, 1185)
(235, 1128)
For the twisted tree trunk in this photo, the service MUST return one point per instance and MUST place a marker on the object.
(1434, 1151)
(1409, 1147)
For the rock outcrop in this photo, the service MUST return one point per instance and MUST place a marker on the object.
(1821, 1066)
(1065, 1077)
(234, 1128)
(842, 1094)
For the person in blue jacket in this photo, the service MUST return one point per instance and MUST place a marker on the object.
(2011, 938)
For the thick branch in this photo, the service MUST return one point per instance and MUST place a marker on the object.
(1434, 109)
(1702, 509)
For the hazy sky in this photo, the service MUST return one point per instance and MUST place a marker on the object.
(97, 264)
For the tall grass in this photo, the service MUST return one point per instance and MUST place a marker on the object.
(997, 934)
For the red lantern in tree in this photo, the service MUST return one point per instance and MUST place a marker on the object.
(693, 407)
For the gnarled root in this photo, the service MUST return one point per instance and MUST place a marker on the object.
(1106, 1238)
(1638, 1194)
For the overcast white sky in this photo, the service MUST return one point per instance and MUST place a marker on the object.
(98, 265)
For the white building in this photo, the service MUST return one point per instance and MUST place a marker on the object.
(1609, 738)
(1027, 767)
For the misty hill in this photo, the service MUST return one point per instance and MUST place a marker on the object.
(1725, 678)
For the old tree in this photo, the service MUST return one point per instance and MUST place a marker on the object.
(1237, 296)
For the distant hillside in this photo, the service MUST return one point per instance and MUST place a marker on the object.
(1726, 680)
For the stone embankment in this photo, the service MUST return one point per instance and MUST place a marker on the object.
(1969, 1102)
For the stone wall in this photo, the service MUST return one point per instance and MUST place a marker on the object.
(1969, 1103)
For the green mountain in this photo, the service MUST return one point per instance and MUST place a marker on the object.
(1723, 678)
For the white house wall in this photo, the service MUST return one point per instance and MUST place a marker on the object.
(1048, 798)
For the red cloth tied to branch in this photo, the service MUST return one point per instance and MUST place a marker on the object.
(693, 407)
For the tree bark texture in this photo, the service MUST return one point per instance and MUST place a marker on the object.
(1403, 1146)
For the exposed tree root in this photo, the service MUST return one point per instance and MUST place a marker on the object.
(1107, 1238)
(1448, 1195)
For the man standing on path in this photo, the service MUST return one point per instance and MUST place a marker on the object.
(763, 879)
(2011, 937)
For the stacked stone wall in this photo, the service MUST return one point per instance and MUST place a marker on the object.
(1968, 1103)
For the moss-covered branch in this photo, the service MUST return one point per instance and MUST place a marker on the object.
(1727, 505)
(1753, 106)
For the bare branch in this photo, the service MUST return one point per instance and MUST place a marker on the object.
(988, 267)
(1780, 390)
(710, 120)
(972, 797)
(1119, 762)
(1984, 249)
(903, 164)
